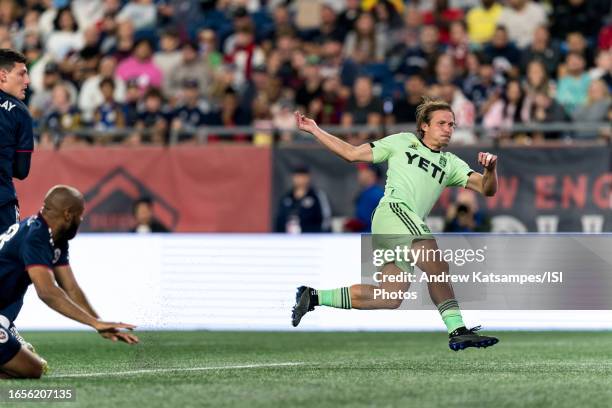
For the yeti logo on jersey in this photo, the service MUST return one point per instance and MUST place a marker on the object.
(3, 336)
(431, 168)
(442, 161)
(56, 255)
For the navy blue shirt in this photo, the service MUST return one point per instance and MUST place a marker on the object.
(16, 136)
(26, 244)
(366, 203)
(190, 116)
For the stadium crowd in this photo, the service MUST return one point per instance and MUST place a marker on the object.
(134, 72)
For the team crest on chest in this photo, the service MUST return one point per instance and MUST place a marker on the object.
(442, 161)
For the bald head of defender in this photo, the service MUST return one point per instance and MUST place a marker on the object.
(63, 211)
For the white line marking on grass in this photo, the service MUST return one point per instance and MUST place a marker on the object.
(170, 370)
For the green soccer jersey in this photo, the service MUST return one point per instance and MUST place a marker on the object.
(417, 175)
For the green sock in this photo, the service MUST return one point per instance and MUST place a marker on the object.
(451, 315)
(340, 298)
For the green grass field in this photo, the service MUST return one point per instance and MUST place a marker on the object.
(223, 369)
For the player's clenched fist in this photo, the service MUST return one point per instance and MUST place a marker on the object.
(487, 160)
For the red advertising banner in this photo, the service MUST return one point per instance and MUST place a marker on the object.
(194, 189)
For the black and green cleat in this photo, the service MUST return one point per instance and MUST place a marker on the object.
(463, 338)
(304, 302)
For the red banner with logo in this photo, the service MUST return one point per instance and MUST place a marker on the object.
(194, 189)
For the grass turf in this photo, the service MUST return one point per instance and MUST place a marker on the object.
(560, 369)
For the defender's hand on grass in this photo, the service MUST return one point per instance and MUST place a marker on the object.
(110, 330)
(487, 160)
(304, 123)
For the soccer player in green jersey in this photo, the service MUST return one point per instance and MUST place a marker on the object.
(418, 171)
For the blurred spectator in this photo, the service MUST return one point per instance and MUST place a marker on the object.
(279, 62)
(262, 121)
(544, 49)
(576, 42)
(537, 80)
(545, 109)
(209, 49)
(282, 25)
(481, 21)
(41, 101)
(230, 114)
(107, 25)
(283, 118)
(575, 16)
(459, 45)
(442, 16)
(33, 53)
(28, 35)
(595, 110)
(521, 18)
(332, 102)
(90, 96)
(363, 108)
(573, 87)
(366, 43)
(141, 12)
(370, 193)
(310, 91)
(10, 13)
(191, 67)
(333, 65)
(109, 115)
(604, 41)
(145, 219)
(351, 13)
(63, 118)
(260, 84)
(169, 56)
(503, 54)
(304, 208)
(329, 27)
(131, 105)
(388, 20)
(505, 111)
(484, 87)
(121, 43)
(153, 120)
(188, 116)
(140, 66)
(244, 53)
(404, 110)
(445, 71)
(465, 215)
(408, 37)
(421, 59)
(65, 37)
(603, 67)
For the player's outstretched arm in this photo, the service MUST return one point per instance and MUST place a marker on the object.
(348, 152)
(485, 183)
(57, 299)
(66, 280)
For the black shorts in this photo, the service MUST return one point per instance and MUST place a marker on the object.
(9, 345)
